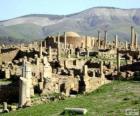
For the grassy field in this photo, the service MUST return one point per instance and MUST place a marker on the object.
(109, 100)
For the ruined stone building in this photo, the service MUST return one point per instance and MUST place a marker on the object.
(65, 64)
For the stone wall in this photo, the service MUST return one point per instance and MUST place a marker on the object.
(9, 56)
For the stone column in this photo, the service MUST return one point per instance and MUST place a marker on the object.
(116, 41)
(37, 60)
(54, 39)
(29, 85)
(50, 53)
(0, 56)
(82, 45)
(136, 41)
(41, 83)
(0, 59)
(126, 45)
(5, 109)
(7, 73)
(110, 64)
(132, 36)
(47, 69)
(68, 53)
(87, 53)
(85, 70)
(23, 68)
(118, 61)
(58, 46)
(65, 63)
(25, 86)
(65, 40)
(21, 47)
(45, 43)
(101, 68)
(22, 89)
(131, 60)
(105, 39)
(40, 50)
(86, 42)
(30, 45)
(77, 55)
(58, 37)
(45, 60)
(99, 41)
(94, 73)
(93, 42)
(67, 92)
(0, 49)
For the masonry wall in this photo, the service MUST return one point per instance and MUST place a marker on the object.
(9, 56)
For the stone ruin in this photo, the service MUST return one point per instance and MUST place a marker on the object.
(66, 64)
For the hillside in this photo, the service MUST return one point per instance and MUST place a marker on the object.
(109, 100)
(38, 26)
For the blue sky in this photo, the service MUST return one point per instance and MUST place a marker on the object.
(14, 8)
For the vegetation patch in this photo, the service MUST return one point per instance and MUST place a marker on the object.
(110, 100)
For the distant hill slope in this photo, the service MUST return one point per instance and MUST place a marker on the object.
(38, 26)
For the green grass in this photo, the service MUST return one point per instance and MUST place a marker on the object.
(5, 81)
(25, 31)
(109, 100)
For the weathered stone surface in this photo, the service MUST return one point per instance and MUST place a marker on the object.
(81, 111)
(68, 64)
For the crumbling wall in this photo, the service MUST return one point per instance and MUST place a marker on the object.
(9, 56)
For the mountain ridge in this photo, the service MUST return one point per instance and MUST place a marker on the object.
(86, 22)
